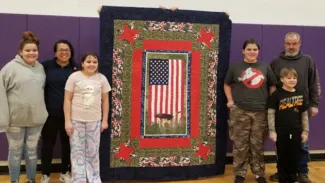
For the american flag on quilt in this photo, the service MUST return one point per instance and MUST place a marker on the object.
(166, 90)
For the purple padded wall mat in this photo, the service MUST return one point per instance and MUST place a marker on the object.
(84, 35)
(49, 29)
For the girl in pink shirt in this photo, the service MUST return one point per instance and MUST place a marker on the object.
(86, 116)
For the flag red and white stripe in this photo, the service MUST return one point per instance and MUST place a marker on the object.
(168, 99)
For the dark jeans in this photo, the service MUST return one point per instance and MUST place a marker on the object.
(304, 154)
(52, 127)
(304, 158)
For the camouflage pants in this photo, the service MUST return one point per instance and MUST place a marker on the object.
(247, 130)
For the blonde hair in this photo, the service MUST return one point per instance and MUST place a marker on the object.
(287, 72)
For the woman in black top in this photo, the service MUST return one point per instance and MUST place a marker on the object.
(57, 72)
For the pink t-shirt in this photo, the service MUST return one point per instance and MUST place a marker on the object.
(87, 95)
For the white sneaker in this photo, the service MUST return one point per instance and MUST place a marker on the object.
(65, 178)
(45, 179)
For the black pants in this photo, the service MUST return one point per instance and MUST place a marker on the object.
(52, 127)
(288, 148)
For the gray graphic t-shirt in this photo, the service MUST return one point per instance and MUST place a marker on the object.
(250, 84)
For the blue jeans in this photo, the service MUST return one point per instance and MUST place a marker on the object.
(23, 140)
(304, 158)
(304, 154)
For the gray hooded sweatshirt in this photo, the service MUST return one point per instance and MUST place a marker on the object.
(4, 109)
(308, 79)
(24, 88)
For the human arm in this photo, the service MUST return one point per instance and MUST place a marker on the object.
(271, 124)
(272, 106)
(68, 95)
(172, 9)
(4, 108)
(272, 89)
(105, 102)
(304, 119)
(314, 87)
(276, 67)
(67, 111)
(271, 79)
(105, 108)
(227, 87)
(305, 126)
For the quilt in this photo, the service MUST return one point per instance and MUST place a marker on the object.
(167, 107)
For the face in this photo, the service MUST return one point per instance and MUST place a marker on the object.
(63, 52)
(292, 45)
(90, 65)
(290, 81)
(29, 53)
(251, 52)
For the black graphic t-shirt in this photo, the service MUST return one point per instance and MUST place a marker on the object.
(250, 84)
(289, 107)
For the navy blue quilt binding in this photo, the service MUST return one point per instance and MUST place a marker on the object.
(107, 16)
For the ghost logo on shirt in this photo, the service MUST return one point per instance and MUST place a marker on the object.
(252, 78)
(88, 95)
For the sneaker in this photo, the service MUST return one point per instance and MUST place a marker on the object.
(303, 178)
(65, 178)
(239, 179)
(31, 181)
(261, 180)
(45, 179)
(274, 177)
(15, 181)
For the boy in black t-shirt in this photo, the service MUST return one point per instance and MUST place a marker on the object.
(288, 124)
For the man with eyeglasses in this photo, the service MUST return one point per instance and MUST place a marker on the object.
(308, 81)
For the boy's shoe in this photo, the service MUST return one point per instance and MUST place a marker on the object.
(31, 181)
(303, 178)
(65, 178)
(45, 179)
(239, 179)
(261, 180)
(274, 177)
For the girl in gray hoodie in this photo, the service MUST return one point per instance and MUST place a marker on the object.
(23, 80)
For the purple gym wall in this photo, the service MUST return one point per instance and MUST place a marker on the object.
(84, 35)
